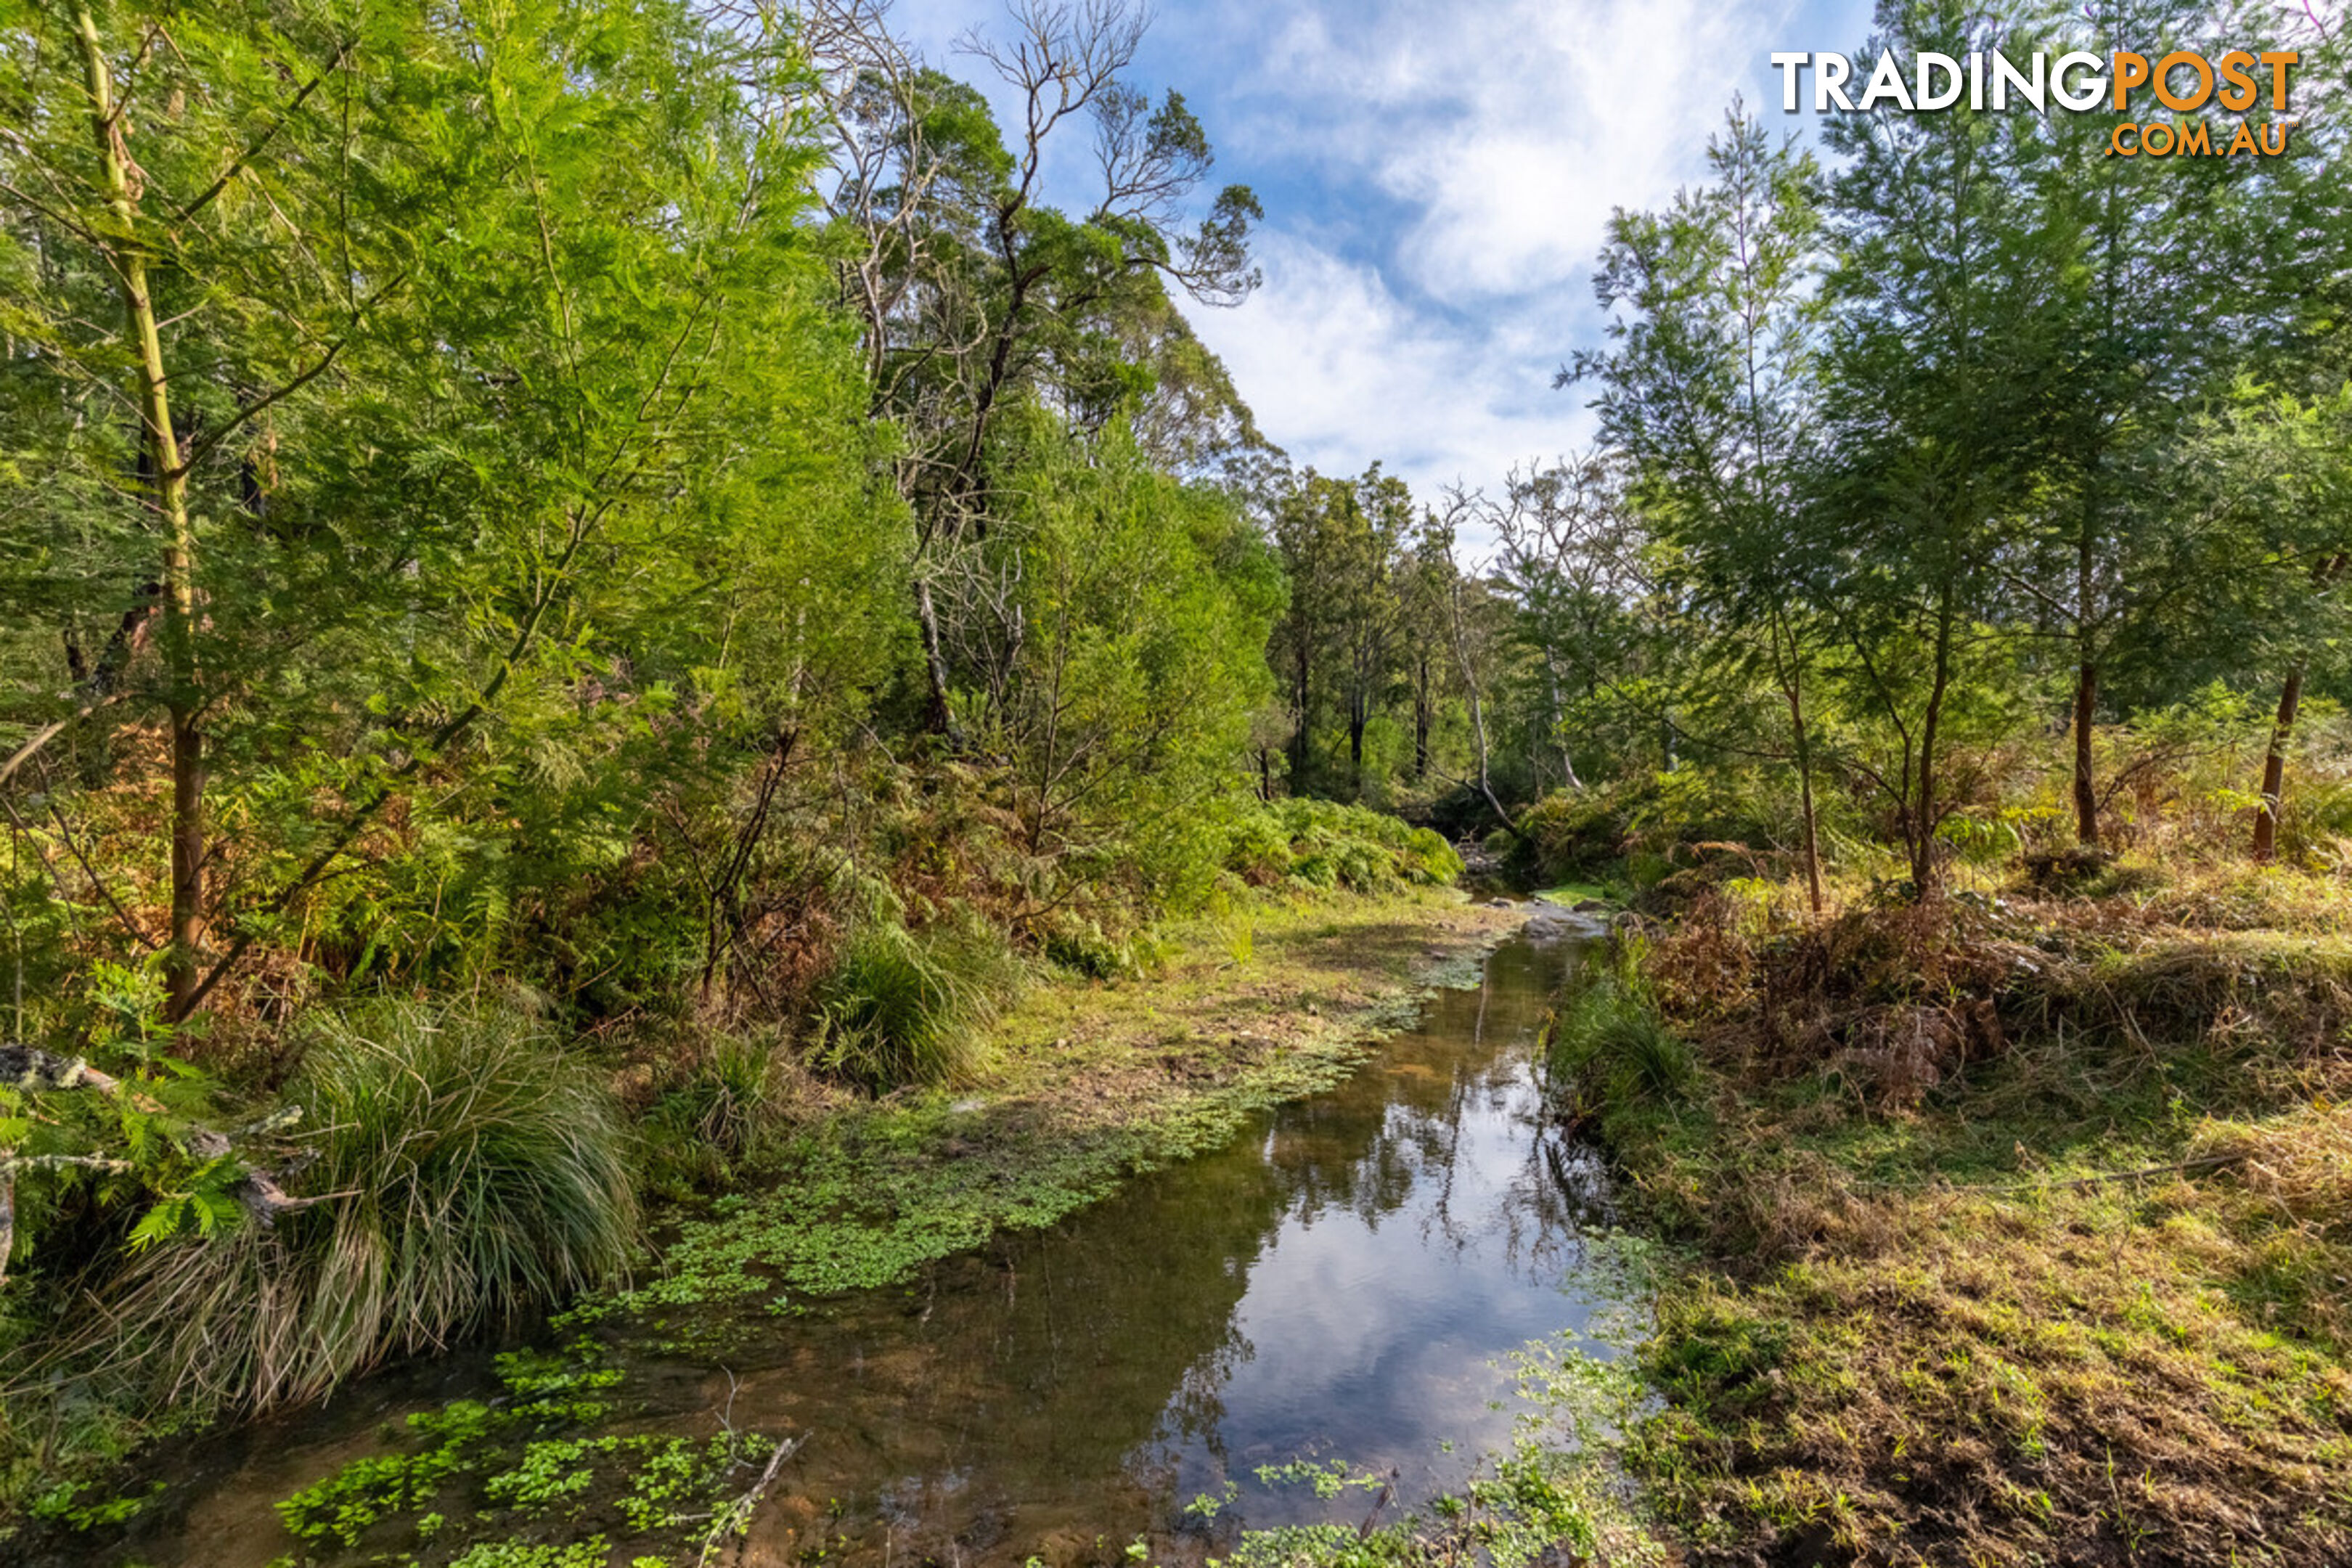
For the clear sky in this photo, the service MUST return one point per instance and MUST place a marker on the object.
(1437, 179)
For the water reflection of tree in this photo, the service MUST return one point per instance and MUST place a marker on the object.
(1093, 1363)
(1371, 1158)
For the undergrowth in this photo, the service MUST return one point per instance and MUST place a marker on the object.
(466, 1173)
(2013, 1226)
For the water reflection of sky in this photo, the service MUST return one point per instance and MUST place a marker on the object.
(1342, 1286)
(1424, 1241)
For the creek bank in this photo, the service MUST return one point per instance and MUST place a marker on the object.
(2006, 1230)
(1089, 1084)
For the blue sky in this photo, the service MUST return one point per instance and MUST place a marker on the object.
(1437, 179)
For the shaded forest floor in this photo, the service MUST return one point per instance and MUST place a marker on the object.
(2016, 1228)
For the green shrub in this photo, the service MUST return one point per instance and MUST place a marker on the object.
(1323, 844)
(1609, 1041)
(466, 1171)
(901, 1008)
(1083, 947)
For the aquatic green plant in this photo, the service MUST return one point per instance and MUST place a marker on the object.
(532, 1454)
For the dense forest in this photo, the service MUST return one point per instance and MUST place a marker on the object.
(584, 577)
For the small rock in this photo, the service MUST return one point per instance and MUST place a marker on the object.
(1498, 903)
(1590, 907)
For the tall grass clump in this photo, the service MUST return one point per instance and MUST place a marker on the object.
(465, 1173)
(902, 1007)
(720, 1106)
(1610, 1042)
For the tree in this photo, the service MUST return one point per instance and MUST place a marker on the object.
(1340, 541)
(1949, 296)
(974, 294)
(422, 383)
(1472, 637)
(2176, 263)
(1710, 390)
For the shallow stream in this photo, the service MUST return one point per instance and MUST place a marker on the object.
(1346, 1281)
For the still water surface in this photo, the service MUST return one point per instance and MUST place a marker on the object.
(1344, 1282)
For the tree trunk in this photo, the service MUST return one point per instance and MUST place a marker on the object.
(1421, 716)
(168, 487)
(2086, 795)
(1568, 779)
(2274, 767)
(1793, 687)
(938, 717)
(2086, 684)
(1924, 874)
(1359, 714)
(1301, 691)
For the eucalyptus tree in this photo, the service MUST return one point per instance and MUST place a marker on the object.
(1341, 542)
(974, 294)
(1477, 622)
(1569, 550)
(1709, 387)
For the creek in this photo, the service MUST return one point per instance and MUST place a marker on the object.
(1344, 1282)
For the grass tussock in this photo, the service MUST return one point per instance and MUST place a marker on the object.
(464, 1172)
(902, 1007)
(1609, 1045)
(720, 1105)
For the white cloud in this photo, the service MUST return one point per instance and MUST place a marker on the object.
(1507, 130)
(1343, 372)
(1438, 176)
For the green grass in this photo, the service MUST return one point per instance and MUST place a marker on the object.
(469, 1171)
(902, 1007)
(2079, 1300)
(1609, 1045)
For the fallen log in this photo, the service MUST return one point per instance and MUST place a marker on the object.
(28, 1069)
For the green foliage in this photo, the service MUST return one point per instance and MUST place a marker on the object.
(1608, 1044)
(1324, 845)
(466, 1171)
(902, 1008)
(1145, 606)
